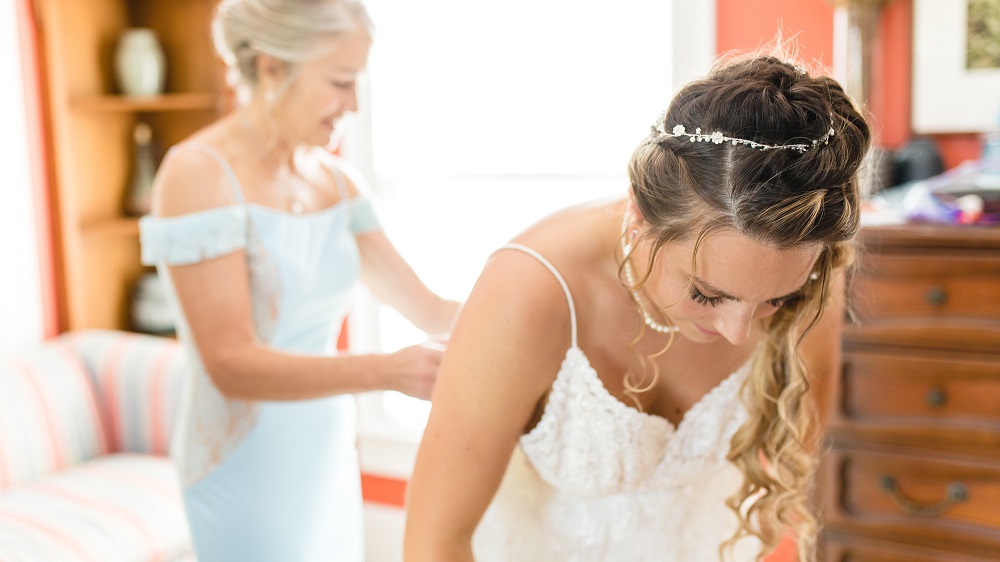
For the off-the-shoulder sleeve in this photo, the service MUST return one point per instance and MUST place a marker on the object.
(194, 237)
(363, 216)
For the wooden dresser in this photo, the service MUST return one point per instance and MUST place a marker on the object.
(912, 467)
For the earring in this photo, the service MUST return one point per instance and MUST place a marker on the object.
(631, 234)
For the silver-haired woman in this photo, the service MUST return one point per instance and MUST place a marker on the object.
(261, 235)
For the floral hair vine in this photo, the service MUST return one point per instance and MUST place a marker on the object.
(718, 137)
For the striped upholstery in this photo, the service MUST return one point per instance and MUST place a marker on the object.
(118, 508)
(139, 380)
(49, 417)
(85, 424)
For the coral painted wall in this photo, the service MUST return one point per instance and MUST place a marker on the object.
(743, 25)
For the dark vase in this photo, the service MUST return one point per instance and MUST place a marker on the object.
(917, 160)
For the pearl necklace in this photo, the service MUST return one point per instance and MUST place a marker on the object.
(630, 279)
(653, 324)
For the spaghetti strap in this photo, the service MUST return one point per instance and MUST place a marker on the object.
(338, 178)
(555, 272)
(220, 160)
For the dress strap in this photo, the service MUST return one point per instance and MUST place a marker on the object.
(219, 159)
(555, 272)
(338, 178)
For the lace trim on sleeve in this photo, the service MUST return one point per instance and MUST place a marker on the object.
(363, 216)
(194, 237)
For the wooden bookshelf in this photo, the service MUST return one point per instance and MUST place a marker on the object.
(116, 227)
(168, 102)
(89, 137)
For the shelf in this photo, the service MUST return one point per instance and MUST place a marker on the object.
(166, 102)
(124, 226)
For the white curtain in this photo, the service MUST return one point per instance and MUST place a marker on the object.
(20, 296)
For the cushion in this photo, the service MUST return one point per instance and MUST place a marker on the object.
(118, 508)
(49, 415)
(139, 381)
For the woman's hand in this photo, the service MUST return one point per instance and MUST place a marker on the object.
(414, 369)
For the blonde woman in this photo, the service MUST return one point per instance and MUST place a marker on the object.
(632, 380)
(261, 234)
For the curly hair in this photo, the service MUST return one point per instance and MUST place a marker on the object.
(686, 190)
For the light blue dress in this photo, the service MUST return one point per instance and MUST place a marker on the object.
(270, 481)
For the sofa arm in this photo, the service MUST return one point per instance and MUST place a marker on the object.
(139, 380)
(49, 413)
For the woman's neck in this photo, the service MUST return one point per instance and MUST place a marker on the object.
(263, 137)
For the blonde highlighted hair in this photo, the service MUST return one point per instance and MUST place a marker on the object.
(687, 190)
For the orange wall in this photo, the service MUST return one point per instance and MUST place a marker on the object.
(744, 25)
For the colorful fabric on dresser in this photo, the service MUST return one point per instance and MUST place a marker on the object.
(49, 416)
(118, 508)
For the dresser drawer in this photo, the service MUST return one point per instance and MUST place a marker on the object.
(924, 396)
(854, 548)
(914, 499)
(928, 285)
(932, 299)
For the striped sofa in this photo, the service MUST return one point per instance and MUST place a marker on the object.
(85, 423)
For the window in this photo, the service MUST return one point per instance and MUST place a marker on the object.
(480, 118)
(20, 293)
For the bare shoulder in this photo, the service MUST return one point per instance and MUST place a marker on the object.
(518, 286)
(529, 297)
(189, 180)
(337, 169)
(577, 240)
(514, 329)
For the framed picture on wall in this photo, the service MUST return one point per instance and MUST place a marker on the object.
(956, 66)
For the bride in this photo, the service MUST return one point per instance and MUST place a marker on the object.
(633, 380)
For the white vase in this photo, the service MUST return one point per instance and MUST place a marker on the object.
(139, 63)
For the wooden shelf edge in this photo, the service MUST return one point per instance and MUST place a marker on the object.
(124, 226)
(166, 102)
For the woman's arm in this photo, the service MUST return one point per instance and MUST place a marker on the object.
(384, 271)
(391, 279)
(215, 297)
(504, 353)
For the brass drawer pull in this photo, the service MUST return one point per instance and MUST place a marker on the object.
(936, 296)
(936, 397)
(957, 493)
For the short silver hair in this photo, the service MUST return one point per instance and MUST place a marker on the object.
(287, 30)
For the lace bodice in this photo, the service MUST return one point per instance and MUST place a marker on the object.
(590, 443)
(598, 480)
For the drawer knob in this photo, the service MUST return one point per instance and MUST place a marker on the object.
(936, 397)
(936, 296)
(956, 493)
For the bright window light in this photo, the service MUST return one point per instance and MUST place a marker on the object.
(483, 117)
(20, 293)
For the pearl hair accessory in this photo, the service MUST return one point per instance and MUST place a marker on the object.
(717, 137)
(630, 279)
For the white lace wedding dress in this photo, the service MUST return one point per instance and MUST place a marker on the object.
(597, 480)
